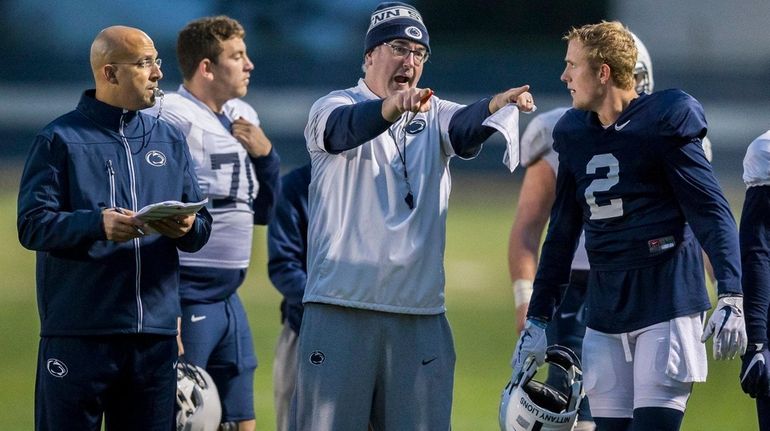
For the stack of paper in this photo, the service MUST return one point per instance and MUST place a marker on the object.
(165, 209)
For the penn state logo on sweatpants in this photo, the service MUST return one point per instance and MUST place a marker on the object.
(317, 357)
(56, 367)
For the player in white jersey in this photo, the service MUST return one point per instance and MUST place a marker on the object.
(755, 248)
(374, 342)
(238, 170)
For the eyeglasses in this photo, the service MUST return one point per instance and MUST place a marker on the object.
(420, 55)
(144, 64)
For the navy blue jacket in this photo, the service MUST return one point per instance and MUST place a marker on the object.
(96, 157)
(287, 244)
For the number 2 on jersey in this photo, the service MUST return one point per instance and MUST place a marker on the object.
(615, 207)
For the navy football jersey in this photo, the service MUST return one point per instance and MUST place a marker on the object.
(637, 188)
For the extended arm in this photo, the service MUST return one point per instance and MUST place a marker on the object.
(466, 131)
(349, 126)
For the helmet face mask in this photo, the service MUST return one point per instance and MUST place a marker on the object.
(197, 399)
(643, 68)
(527, 404)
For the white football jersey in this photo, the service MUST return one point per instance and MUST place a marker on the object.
(756, 163)
(366, 248)
(536, 144)
(225, 175)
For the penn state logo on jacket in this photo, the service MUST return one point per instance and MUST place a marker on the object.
(155, 158)
(415, 126)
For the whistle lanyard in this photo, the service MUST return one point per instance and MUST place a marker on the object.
(405, 119)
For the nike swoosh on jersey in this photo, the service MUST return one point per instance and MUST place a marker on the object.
(195, 318)
(619, 127)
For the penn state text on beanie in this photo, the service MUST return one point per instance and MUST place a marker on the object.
(395, 20)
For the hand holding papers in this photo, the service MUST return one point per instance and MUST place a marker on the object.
(166, 209)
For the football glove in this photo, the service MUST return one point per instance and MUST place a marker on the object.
(531, 342)
(755, 371)
(728, 328)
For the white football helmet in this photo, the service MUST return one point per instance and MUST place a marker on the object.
(643, 68)
(529, 405)
(198, 399)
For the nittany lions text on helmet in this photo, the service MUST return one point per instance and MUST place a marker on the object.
(529, 405)
(643, 68)
(198, 399)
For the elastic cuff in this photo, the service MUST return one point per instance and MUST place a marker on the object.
(522, 291)
(540, 323)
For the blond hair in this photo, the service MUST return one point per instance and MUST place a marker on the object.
(610, 43)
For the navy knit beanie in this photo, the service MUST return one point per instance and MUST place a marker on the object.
(395, 20)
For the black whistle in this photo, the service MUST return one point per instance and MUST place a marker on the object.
(409, 199)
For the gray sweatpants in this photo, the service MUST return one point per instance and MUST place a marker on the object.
(284, 375)
(359, 367)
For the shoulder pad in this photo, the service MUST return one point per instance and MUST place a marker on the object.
(537, 138)
(236, 108)
(756, 164)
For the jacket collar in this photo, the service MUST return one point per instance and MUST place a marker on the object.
(365, 90)
(105, 115)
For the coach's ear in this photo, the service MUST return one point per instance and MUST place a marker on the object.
(368, 59)
(110, 73)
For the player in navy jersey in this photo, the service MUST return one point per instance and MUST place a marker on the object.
(755, 249)
(535, 198)
(534, 204)
(238, 170)
(632, 173)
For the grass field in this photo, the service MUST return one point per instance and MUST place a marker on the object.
(479, 305)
